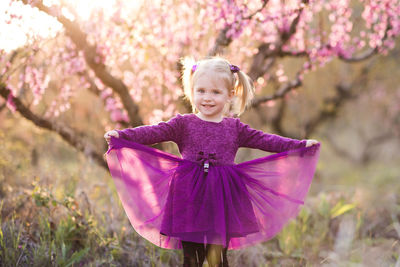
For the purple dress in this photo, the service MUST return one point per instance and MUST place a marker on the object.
(204, 196)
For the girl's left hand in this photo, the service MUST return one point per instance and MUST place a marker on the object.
(311, 142)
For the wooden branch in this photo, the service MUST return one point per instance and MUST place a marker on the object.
(281, 92)
(257, 68)
(249, 17)
(93, 87)
(79, 39)
(369, 53)
(367, 155)
(223, 40)
(338, 150)
(361, 57)
(285, 36)
(96, 91)
(71, 136)
(3, 106)
(331, 108)
(282, 53)
(278, 119)
(333, 105)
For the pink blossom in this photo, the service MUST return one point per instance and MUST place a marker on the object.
(141, 49)
(10, 103)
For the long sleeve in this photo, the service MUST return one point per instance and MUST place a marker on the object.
(252, 138)
(152, 134)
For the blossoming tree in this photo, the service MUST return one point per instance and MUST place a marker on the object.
(127, 52)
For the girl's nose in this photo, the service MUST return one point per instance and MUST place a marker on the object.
(207, 96)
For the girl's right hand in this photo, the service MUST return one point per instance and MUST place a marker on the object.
(108, 135)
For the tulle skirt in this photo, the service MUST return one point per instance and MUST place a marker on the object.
(169, 199)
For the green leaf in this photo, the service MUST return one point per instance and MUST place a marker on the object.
(63, 250)
(77, 256)
(340, 209)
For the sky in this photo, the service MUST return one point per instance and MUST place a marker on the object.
(35, 23)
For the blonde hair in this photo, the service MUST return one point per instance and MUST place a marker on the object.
(241, 84)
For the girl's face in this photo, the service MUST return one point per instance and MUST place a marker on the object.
(210, 95)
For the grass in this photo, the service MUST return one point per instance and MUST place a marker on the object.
(70, 215)
(58, 232)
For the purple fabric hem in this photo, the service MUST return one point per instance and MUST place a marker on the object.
(275, 156)
(245, 203)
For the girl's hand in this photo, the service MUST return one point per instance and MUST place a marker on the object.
(108, 135)
(311, 142)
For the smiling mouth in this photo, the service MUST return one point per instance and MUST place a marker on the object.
(208, 106)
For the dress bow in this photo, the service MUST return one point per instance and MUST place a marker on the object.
(206, 159)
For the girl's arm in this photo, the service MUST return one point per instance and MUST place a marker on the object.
(152, 134)
(249, 137)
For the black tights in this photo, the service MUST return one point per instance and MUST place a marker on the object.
(195, 253)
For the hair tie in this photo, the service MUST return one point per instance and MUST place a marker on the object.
(194, 67)
(234, 68)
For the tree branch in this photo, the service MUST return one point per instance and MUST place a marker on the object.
(331, 108)
(369, 53)
(79, 39)
(257, 68)
(96, 91)
(338, 150)
(366, 155)
(278, 119)
(68, 134)
(281, 92)
(333, 105)
(249, 17)
(361, 57)
(223, 40)
(3, 106)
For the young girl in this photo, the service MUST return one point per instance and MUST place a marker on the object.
(204, 202)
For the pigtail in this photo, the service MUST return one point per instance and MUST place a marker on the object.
(244, 90)
(187, 78)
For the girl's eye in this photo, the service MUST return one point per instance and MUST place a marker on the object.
(200, 90)
(216, 92)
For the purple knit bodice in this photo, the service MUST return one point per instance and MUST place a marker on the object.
(217, 142)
